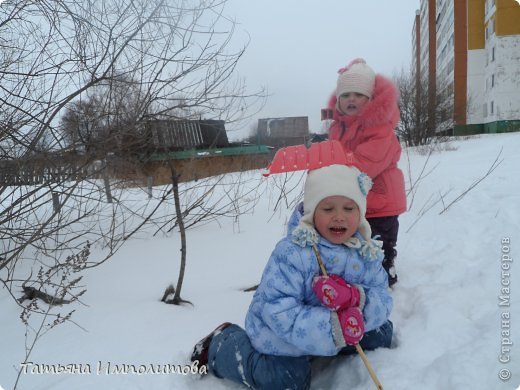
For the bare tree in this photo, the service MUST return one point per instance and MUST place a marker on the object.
(63, 58)
(107, 120)
(424, 120)
(82, 124)
(414, 127)
(61, 54)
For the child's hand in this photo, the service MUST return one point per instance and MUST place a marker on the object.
(352, 325)
(335, 293)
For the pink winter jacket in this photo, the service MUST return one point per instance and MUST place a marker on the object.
(372, 146)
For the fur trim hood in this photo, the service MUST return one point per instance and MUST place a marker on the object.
(381, 110)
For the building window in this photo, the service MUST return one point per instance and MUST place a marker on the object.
(492, 107)
(492, 80)
(493, 54)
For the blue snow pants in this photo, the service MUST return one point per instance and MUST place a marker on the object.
(232, 356)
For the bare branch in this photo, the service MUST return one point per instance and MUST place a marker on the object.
(492, 167)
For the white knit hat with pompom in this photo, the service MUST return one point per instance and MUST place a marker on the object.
(334, 180)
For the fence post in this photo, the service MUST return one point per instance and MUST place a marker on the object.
(150, 186)
(108, 192)
(56, 202)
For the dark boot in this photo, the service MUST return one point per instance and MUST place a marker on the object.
(387, 229)
(200, 351)
(388, 265)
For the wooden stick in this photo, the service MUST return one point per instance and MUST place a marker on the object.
(358, 347)
(369, 367)
(320, 262)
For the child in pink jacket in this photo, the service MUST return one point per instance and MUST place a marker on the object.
(365, 112)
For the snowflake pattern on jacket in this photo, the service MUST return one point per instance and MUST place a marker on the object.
(285, 317)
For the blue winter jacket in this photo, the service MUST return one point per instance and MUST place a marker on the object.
(286, 318)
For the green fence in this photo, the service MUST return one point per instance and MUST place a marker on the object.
(201, 153)
(484, 128)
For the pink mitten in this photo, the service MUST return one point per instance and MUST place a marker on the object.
(352, 325)
(334, 292)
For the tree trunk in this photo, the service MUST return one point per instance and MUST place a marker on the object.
(106, 181)
(175, 180)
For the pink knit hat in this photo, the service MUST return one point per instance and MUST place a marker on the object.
(356, 77)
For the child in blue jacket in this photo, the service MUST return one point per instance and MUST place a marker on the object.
(297, 312)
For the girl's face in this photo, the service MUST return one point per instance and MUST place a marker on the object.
(352, 103)
(337, 218)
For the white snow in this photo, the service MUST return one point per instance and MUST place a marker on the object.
(450, 329)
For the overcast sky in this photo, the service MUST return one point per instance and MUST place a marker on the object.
(297, 46)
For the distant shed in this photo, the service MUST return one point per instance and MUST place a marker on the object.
(187, 134)
(286, 131)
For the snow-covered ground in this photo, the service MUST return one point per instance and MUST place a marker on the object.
(454, 315)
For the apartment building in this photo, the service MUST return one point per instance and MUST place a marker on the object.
(469, 53)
